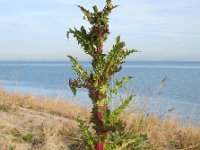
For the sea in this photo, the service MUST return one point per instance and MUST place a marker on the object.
(164, 89)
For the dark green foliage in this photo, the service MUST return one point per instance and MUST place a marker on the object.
(27, 138)
(109, 130)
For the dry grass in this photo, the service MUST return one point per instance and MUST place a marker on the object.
(22, 128)
(30, 122)
(55, 128)
(59, 107)
(169, 135)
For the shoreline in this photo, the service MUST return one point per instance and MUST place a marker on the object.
(171, 111)
(29, 122)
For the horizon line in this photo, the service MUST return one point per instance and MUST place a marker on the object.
(89, 61)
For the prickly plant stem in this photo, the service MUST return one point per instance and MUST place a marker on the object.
(99, 146)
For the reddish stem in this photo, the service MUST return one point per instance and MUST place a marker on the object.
(92, 91)
(99, 113)
(99, 33)
(99, 81)
(99, 49)
(99, 146)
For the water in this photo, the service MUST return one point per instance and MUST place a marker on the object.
(180, 91)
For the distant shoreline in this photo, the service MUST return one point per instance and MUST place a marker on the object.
(84, 61)
(50, 79)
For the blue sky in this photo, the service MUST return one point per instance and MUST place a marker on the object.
(161, 29)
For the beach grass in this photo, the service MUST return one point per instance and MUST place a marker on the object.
(31, 122)
(58, 107)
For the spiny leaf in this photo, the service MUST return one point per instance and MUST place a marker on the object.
(85, 11)
(116, 57)
(87, 135)
(84, 40)
(118, 84)
(120, 109)
(83, 74)
(134, 140)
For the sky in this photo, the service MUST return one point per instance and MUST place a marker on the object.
(161, 29)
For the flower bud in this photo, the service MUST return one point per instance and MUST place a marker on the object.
(110, 5)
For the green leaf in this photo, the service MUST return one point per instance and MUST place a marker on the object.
(84, 39)
(104, 88)
(134, 140)
(116, 57)
(118, 39)
(118, 84)
(80, 71)
(85, 11)
(113, 118)
(89, 140)
(95, 9)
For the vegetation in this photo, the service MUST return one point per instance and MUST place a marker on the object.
(40, 118)
(108, 130)
(6, 107)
